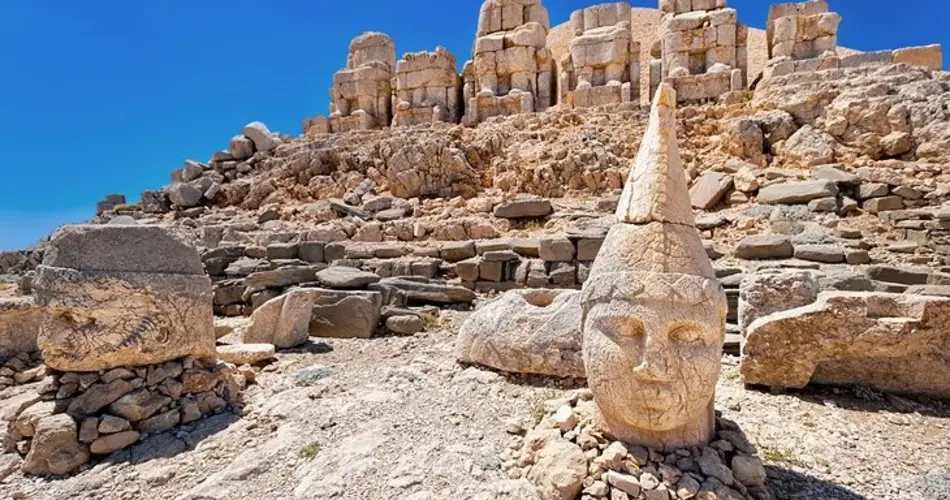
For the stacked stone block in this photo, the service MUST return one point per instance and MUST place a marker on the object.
(511, 71)
(702, 51)
(361, 97)
(802, 30)
(603, 66)
(427, 89)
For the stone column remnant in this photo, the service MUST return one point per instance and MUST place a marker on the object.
(361, 96)
(428, 89)
(802, 30)
(702, 49)
(512, 70)
(603, 66)
(116, 296)
(654, 313)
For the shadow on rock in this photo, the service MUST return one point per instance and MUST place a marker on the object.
(791, 485)
(860, 398)
(172, 443)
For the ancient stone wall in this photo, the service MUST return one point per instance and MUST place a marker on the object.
(603, 66)
(362, 92)
(427, 89)
(802, 30)
(511, 70)
(702, 50)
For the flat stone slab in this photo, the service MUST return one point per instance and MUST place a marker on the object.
(344, 314)
(889, 342)
(141, 249)
(346, 278)
(797, 192)
(246, 354)
(765, 247)
(828, 254)
(517, 209)
(430, 292)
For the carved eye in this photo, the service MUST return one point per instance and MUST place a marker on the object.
(621, 327)
(687, 333)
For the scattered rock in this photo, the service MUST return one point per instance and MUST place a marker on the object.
(246, 354)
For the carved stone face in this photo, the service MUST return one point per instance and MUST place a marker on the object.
(652, 351)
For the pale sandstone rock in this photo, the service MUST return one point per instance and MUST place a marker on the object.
(344, 314)
(113, 442)
(928, 56)
(19, 326)
(246, 354)
(652, 286)
(801, 31)
(889, 342)
(428, 89)
(263, 139)
(709, 190)
(526, 331)
(361, 97)
(55, 449)
(511, 70)
(772, 290)
(283, 322)
(603, 66)
(559, 470)
(122, 296)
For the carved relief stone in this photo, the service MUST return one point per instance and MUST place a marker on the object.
(653, 311)
(122, 296)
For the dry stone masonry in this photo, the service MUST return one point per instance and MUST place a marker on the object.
(603, 66)
(511, 70)
(361, 97)
(428, 89)
(702, 49)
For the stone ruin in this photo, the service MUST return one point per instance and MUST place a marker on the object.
(701, 50)
(603, 66)
(126, 333)
(428, 89)
(512, 70)
(361, 97)
(802, 30)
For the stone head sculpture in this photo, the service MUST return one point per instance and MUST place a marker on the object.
(653, 311)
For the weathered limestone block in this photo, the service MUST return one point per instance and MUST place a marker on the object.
(772, 290)
(511, 70)
(283, 321)
(526, 331)
(653, 311)
(55, 449)
(122, 296)
(889, 342)
(702, 50)
(428, 89)
(603, 66)
(344, 314)
(928, 56)
(800, 31)
(361, 97)
(19, 326)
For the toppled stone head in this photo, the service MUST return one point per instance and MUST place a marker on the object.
(653, 310)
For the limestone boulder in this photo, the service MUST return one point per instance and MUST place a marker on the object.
(344, 314)
(797, 192)
(122, 296)
(770, 291)
(809, 147)
(526, 331)
(246, 354)
(344, 277)
(429, 292)
(559, 470)
(262, 137)
(19, 326)
(524, 208)
(765, 246)
(283, 321)
(889, 342)
(55, 449)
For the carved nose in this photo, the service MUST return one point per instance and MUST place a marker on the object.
(653, 366)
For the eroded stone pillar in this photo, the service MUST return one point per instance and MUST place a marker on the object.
(511, 68)
(654, 313)
(702, 49)
(361, 96)
(428, 89)
(603, 66)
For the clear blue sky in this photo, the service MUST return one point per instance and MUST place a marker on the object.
(101, 96)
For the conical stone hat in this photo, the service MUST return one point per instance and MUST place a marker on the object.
(656, 231)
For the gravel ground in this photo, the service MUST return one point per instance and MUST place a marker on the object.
(397, 417)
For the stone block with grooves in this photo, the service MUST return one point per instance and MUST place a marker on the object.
(122, 296)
